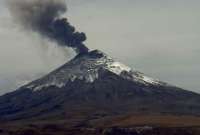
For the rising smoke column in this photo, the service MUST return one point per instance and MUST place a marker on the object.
(44, 17)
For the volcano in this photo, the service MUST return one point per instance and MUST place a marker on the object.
(95, 86)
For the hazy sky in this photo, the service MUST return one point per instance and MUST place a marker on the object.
(158, 37)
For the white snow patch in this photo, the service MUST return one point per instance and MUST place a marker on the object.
(118, 68)
(91, 78)
(86, 68)
(148, 79)
(39, 87)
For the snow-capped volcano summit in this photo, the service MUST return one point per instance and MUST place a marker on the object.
(86, 67)
(96, 85)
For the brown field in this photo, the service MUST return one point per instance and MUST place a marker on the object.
(155, 121)
(120, 125)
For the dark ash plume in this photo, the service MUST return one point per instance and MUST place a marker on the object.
(44, 16)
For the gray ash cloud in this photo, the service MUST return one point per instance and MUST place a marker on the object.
(45, 17)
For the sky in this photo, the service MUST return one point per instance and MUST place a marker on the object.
(160, 38)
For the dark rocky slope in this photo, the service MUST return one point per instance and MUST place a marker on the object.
(93, 85)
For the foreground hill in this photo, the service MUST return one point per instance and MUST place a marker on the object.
(125, 125)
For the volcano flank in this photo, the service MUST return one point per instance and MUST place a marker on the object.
(96, 84)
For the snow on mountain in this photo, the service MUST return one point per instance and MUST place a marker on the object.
(96, 81)
(86, 67)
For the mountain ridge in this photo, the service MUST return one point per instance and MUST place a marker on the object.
(87, 66)
(93, 86)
